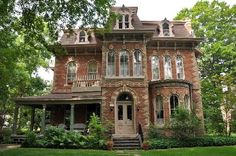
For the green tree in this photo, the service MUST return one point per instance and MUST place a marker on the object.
(214, 21)
(29, 33)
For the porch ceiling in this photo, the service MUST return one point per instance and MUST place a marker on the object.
(59, 98)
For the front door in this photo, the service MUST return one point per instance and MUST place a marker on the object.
(124, 118)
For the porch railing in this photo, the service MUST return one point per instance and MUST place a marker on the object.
(87, 82)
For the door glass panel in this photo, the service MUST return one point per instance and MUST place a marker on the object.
(129, 112)
(120, 112)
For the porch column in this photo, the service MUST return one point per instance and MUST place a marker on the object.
(32, 119)
(43, 119)
(72, 108)
(16, 112)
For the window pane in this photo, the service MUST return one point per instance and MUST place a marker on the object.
(129, 112)
(126, 21)
(179, 67)
(120, 112)
(124, 63)
(155, 67)
(167, 67)
(173, 103)
(137, 63)
(71, 71)
(82, 36)
(160, 112)
(166, 31)
(92, 70)
(111, 63)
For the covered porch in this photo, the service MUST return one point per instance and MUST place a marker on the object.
(70, 111)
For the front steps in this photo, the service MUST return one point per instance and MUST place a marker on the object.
(126, 142)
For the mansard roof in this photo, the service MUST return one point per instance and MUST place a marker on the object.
(180, 30)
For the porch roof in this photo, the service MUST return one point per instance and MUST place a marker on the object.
(60, 98)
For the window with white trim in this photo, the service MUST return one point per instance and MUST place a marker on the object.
(111, 63)
(126, 21)
(82, 36)
(187, 102)
(137, 60)
(166, 29)
(124, 63)
(155, 68)
(159, 110)
(174, 102)
(71, 71)
(92, 70)
(167, 67)
(179, 67)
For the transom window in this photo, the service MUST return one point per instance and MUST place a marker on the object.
(155, 68)
(124, 63)
(82, 36)
(179, 67)
(92, 70)
(174, 102)
(71, 71)
(159, 110)
(167, 67)
(111, 63)
(137, 60)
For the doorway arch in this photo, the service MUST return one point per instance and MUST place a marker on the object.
(125, 114)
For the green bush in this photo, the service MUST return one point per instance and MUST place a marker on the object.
(155, 132)
(192, 142)
(30, 140)
(6, 134)
(184, 124)
(59, 138)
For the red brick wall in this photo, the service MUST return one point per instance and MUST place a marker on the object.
(60, 69)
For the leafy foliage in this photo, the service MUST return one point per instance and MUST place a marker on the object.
(184, 124)
(191, 142)
(29, 36)
(215, 22)
(59, 138)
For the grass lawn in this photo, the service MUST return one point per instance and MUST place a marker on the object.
(197, 151)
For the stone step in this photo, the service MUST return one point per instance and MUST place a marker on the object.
(126, 143)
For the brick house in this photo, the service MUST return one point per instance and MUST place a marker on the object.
(135, 75)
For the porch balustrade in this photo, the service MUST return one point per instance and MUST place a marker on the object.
(85, 83)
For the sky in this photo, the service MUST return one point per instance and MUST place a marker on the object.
(147, 10)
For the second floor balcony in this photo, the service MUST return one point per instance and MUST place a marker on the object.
(87, 83)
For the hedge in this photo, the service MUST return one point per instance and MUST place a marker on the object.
(164, 143)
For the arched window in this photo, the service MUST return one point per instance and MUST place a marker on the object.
(159, 110)
(155, 68)
(111, 63)
(92, 70)
(82, 36)
(124, 63)
(71, 71)
(167, 67)
(137, 60)
(174, 102)
(187, 102)
(126, 21)
(166, 29)
(179, 67)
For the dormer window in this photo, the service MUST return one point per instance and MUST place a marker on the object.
(166, 29)
(120, 22)
(126, 21)
(82, 36)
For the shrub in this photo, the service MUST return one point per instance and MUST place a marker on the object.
(155, 132)
(30, 140)
(184, 124)
(192, 142)
(6, 134)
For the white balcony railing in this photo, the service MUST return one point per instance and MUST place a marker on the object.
(87, 82)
